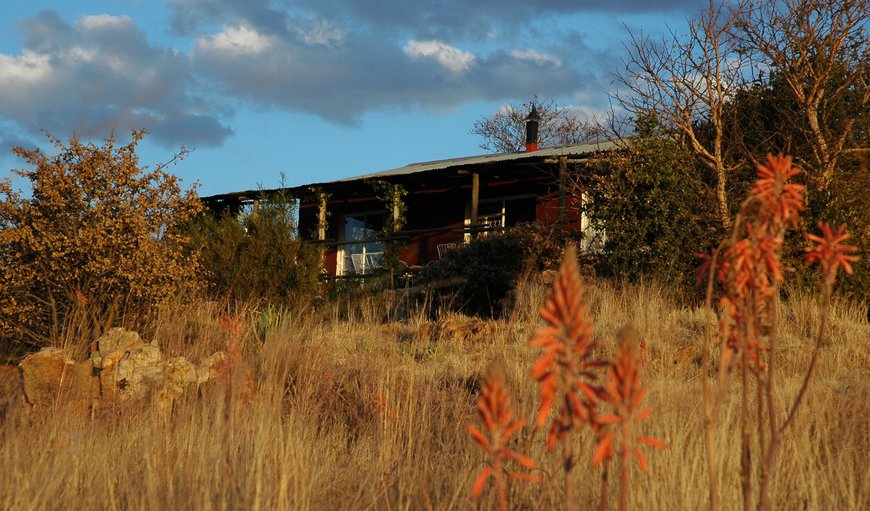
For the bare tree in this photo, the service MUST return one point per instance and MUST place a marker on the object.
(505, 130)
(822, 51)
(685, 82)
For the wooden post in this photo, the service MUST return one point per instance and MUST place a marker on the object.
(475, 193)
(393, 256)
(396, 212)
(563, 192)
(321, 227)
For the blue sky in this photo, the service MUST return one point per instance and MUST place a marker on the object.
(313, 89)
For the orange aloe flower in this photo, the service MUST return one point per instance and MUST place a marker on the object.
(752, 261)
(565, 367)
(830, 253)
(731, 316)
(781, 200)
(624, 393)
(496, 412)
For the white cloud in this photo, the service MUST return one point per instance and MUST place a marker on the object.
(448, 56)
(504, 109)
(321, 32)
(25, 70)
(238, 40)
(533, 56)
(100, 74)
(104, 21)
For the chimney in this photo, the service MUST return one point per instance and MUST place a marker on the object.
(532, 130)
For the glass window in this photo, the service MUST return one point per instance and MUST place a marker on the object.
(368, 254)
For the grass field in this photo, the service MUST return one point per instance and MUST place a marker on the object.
(353, 411)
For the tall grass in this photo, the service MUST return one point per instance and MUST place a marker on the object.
(353, 412)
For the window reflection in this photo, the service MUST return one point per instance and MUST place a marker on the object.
(368, 254)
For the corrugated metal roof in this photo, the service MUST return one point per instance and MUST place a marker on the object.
(431, 166)
(468, 161)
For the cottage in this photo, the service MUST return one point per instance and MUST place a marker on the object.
(424, 209)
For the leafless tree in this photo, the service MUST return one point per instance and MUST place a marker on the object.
(822, 51)
(685, 82)
(505, 130)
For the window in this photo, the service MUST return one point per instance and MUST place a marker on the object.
(367, 253)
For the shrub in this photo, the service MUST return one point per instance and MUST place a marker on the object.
(98, 231)
(257, 255)
(654, 209)
(490, 266)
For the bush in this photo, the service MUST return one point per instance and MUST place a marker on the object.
(654, 210)
(97, 231)
(490, 266)
(258, 256)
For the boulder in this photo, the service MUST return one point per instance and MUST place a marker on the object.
(50, 375)
(213, 366)
(128, 366)
(178, 375)
(460, 329)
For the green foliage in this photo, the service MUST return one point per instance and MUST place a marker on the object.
(258, 255)
(490, 266)
(99, 233)
(392, 197)
(769, 120)
(653, 209)
(845, 202)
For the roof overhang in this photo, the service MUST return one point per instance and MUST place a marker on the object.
(545, 156)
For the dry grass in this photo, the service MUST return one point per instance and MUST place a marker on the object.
(351, 412)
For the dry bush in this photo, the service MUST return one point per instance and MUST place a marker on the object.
(490, 267)
(257, 255)
(97, 240)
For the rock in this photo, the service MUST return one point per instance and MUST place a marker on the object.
(548, 277)
(125, 367)
(178, 375)
(211, 367)
(129, 367)
(50, 374)
(113, 342)
(455, 328)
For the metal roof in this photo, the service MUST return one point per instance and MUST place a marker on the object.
(468, 161)
(452, 163)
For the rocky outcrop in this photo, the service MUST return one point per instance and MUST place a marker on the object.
(122, 367)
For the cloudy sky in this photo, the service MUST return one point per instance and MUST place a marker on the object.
(314, 89)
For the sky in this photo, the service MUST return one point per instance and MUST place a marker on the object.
(311, 90)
